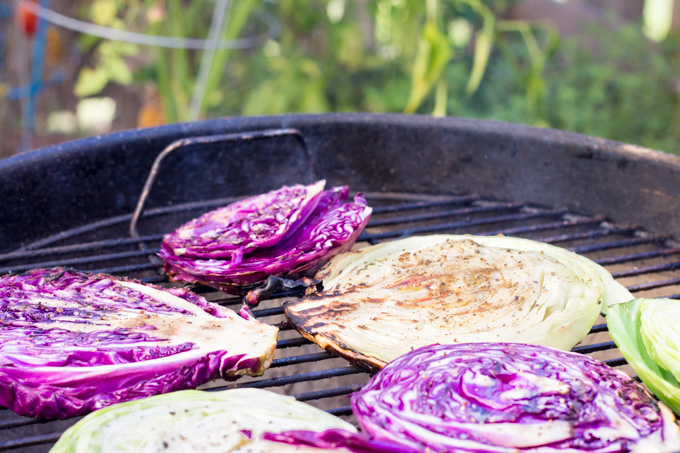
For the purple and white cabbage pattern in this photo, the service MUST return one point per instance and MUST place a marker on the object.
(288, 232)
(256, 222)
(73, 342)
(336, 438)
(505, 397)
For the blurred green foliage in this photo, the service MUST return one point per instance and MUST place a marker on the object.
(442, 57)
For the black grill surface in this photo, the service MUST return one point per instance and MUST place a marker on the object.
(648, 265)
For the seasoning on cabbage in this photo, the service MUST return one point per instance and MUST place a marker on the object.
(72, 342)
(191, 420)
(386, 300)
(647, 332)
(255, 246)
(502, 398)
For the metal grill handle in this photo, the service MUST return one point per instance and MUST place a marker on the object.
(207, 140)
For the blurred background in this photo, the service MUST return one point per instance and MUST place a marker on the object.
(75, 68)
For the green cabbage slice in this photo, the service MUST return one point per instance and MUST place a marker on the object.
(192, 420)
(647, 332)
(386, 300)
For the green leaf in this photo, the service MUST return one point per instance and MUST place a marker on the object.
(313, 99)
(103, 12)
(91, 81)
(350, 48)
(483, 43)
(440, 98)
(117, 70)
(434, 52)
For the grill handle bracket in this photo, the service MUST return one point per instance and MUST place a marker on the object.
(208, 140)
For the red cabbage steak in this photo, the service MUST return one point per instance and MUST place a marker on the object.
(288, 232)
(256, 222)
(511, 397)
(73, 342)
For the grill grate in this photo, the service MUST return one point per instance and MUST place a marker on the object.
(649, 265)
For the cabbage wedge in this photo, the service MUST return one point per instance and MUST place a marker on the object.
(386, 300)
(73, 342)
(647, 332)
(511, 398)
(192, 420)
(289, 233)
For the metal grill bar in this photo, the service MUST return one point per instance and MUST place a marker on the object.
(589, 349)
(86, 247)
(29, 441)
(446, 213)
(615, 362)
(597, 328)
(419, 204)
(339, 411)
(129, 269)
(300, 359)
(654, 285)
(546, 226)
(639, 256)
(77, 261)
(592, 234)
(303, 377)
(268, 312)
(16, 422)
(618, 244)
(405, 232)
(338, 391)
(647, 270)
(292, 343)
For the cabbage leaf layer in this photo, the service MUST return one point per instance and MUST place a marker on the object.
(647, 332)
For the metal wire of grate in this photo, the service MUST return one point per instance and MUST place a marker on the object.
(649, 265)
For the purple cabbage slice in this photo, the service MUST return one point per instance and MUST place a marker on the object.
(73, 342)
(336, 438)
(332, 228)
(511, 397)
(256, 222)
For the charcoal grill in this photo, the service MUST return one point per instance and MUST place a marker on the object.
(101, 204)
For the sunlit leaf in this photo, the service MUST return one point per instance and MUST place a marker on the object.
(91, 81)
(118, 71)
(103, 12)
(434, 52)
(483, 43)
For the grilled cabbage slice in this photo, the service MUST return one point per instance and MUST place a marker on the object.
(281, 233)
(73, 342)
(511, 398)
(383, 301)
(191, 420)
(256, 222)
(647, 332)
